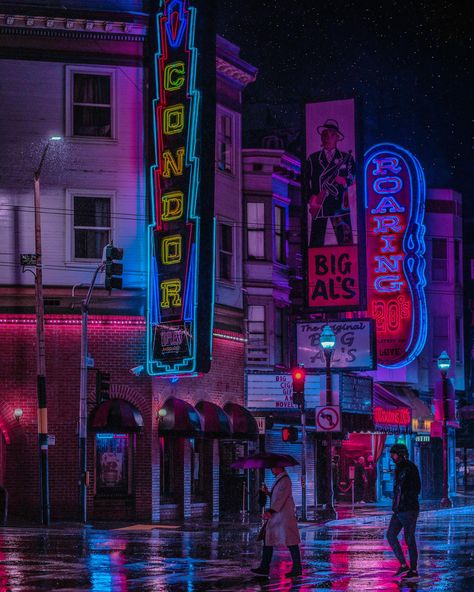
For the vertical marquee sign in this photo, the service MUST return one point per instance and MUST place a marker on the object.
(181, 236)
(395, 204)
(334, 216)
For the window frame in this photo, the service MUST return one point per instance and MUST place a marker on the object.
(264, 322)
(71, 258)
(439, 260)
(281, 237)
(230, 254)
(97, 71)
(256, 229)
(221, 139)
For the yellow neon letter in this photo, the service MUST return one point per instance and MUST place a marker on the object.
(171, 249)
(172, 164)
(170, 290)
(172, 205)
(176, 83)
(173, 119)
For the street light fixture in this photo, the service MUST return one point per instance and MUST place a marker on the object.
(327, 340)
(40, 346)
(444, 364)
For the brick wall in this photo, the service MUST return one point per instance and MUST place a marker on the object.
(115, 348)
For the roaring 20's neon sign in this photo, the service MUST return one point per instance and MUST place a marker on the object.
(181, 236)
(395, 203)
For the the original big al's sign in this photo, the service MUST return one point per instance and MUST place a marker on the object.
(181, 237)
(395, 199)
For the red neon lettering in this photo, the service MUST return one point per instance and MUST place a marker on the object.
(400, 416)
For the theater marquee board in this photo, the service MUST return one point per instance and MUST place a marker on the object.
(395, 203)
(181, 236)
(333, 217)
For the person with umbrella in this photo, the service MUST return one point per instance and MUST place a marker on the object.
(281, 527)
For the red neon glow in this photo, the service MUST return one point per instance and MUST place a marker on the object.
(389, 296)
(400, 416)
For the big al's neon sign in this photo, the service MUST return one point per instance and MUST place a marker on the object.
(395, 202)
(181, 236)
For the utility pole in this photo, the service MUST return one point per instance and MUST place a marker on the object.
(112, 280)
(41, 350)
(298, 377)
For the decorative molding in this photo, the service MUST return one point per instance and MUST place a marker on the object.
(231, 71)
(58, 25)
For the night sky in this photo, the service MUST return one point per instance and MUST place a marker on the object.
(409, 61)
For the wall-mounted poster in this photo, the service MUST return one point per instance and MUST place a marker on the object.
(333, 215)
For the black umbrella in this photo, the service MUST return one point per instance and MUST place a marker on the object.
(264, 460)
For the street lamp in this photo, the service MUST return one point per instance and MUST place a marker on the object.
(444, 364)
(327, 340)
(40, 347)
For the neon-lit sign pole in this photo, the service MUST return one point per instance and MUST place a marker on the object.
(395, 203)
(177, 233)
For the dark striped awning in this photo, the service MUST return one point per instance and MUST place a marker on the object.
(179, 418)
(214, 420)
(115, 416)
(242, 422)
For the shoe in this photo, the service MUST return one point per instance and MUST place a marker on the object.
(403, 569)
(260, 571)
(294, 573)
(412, 574)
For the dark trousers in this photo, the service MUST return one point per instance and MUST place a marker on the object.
(407, 521)
(267, 555)
(342, 229)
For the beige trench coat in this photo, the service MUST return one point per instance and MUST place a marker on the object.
(282, 527)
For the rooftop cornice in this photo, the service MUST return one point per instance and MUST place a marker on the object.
(60, 26)
(233, 72)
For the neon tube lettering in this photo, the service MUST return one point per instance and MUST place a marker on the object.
(386, 223)
(171, 248)
(388, 240)
(391, 263)
(172, 206)
(174, 76)
(382, 165)
(388, 204)
(387, 185)
(388, 283)
(173, 119)
(172, 164)
(170, 291)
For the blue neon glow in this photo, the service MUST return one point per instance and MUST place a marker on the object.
(414, 263)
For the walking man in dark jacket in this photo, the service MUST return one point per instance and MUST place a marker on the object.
(405, 508)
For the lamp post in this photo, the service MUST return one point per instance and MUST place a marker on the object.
(444, 364)
(328, 341)
(40, 347)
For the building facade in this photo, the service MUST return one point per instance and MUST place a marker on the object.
(80, 71)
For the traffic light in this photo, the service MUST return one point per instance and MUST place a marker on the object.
(298, 376)
(289, 434)
(102, 386)
(113, 271)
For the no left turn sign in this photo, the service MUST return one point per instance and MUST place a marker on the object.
(328, 419)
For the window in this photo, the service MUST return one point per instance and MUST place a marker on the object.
(280, 234)
(280, 336)
(224, 143)
(458, 340)
(92, 225)
(226, 252)
(198, 475)
(439, 266)
(90, 97)
(457, 262)
(440, 335)
(255, 230)
(256, 324)
(168, 463)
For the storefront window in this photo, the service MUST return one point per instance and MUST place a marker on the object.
(197, 468)
(168, 482)
(113, 464)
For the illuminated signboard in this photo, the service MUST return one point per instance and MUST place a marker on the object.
(181, 235)
(333, 217)
(401, 416)
(395, 203)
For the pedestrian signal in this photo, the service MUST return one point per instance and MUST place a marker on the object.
(289, 434)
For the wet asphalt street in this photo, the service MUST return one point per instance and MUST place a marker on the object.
(346, 557)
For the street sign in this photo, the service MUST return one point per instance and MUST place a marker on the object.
(328, 418)
(261, 425)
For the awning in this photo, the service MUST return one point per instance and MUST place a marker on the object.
(179, 418)
(214, 420)
(115, 416)
(242, 422)
(391, 414)
(406, 394)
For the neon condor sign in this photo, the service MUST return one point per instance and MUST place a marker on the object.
(181, 236)
(395, 202)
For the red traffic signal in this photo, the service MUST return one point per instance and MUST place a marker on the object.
(298, 375)
(289, 434)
